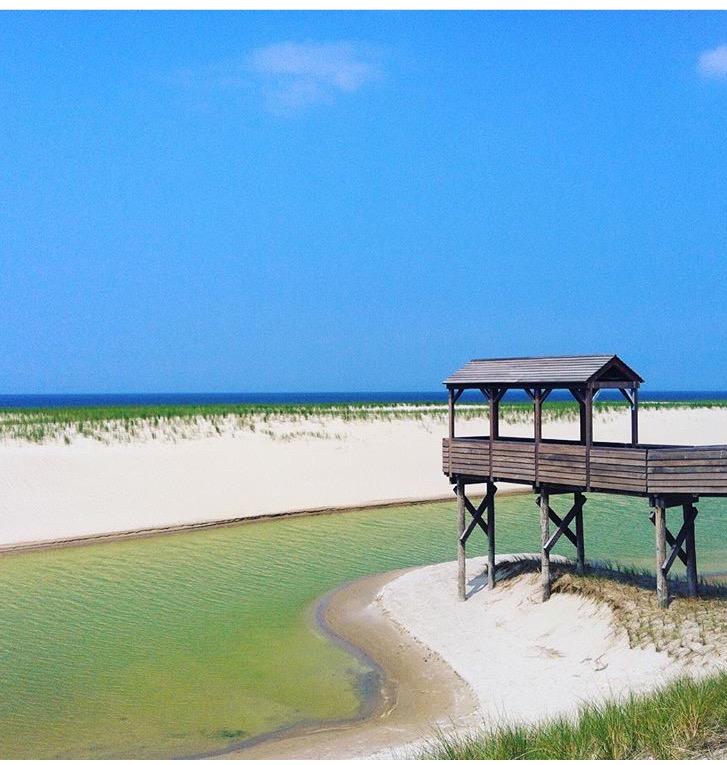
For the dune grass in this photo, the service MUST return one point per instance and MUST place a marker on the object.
(687, 719)
(172, 422)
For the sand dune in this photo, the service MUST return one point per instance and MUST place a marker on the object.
(55, 491)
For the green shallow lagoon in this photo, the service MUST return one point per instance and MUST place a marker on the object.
(189, 643)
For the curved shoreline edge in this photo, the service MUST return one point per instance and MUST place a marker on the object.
(417, 694)
(116, 536)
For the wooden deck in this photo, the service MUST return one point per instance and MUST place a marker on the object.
(641, 469)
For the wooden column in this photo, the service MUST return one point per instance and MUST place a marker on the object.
(461, 559)
(545, 536)
(493, 395)
(634, 416)
(662, 584)
(538, 414)
(451, 413)
(691, 551)
(588, 439)
(491, 489)
(580, 542)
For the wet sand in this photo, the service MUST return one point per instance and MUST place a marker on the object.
(419, 693)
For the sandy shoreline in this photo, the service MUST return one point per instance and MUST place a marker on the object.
(420, 692)
(88, 489)
(502, 657)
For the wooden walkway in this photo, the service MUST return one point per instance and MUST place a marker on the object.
(669, 476)
(609, 467)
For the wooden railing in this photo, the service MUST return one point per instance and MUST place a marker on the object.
(642, 469)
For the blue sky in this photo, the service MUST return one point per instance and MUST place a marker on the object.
(260, 201)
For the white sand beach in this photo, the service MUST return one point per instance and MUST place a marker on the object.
(500, 657)
(55, 491)
(525, 660)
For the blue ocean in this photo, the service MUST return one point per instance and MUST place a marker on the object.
(57, 400)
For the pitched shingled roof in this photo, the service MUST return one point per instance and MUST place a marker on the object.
(550, 371)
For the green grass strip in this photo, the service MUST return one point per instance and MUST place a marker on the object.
(109, 422)
(685, 720)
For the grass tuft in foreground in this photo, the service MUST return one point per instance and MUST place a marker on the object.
(686, 720)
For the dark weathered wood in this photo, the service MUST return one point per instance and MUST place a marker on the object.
(690, 512)
(669, 476)
(461, 553)
(580, 539)
(544, 535)
(662, 584)
(476, 513)
(491, 489)
(668, 536)
(551, 371)
(676, 549)
(562, 527)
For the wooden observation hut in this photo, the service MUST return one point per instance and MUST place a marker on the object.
(669, 476)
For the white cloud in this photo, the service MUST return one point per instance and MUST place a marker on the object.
(294, 76)
(713, 63)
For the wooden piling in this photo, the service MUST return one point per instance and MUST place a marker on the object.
(580, 542)
(545, 535)
(461, 559)
(491, 489)
(662, 584)
(691, 551)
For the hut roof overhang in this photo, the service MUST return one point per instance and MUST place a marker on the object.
(598, 371)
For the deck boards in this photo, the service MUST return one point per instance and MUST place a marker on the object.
(614, 468)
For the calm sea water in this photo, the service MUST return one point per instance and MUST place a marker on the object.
(184, 644)
(39, 400)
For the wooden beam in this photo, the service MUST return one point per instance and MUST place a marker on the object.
(491, 489)
(562, 525)
(662, 583)
(461, 556)
(669, 537)
(476, 514)
(544, 534)
(577, 395)
(538, 412)
(691, 550)
(587, 429)
(676, 543)
(580, 543)
(452, 399)
(494, 395)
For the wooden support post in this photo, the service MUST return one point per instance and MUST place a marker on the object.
(589, 418)
(635, 416)
(461, 559)
(491, 489)
(538, 415)
(451, 414)
(691, 551)
(588, 435)
(580, 542)
(494, 415)
(662, 583)
(544, 536)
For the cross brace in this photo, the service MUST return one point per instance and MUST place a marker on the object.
(477, 513)
(562, 526)
(676, 542)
